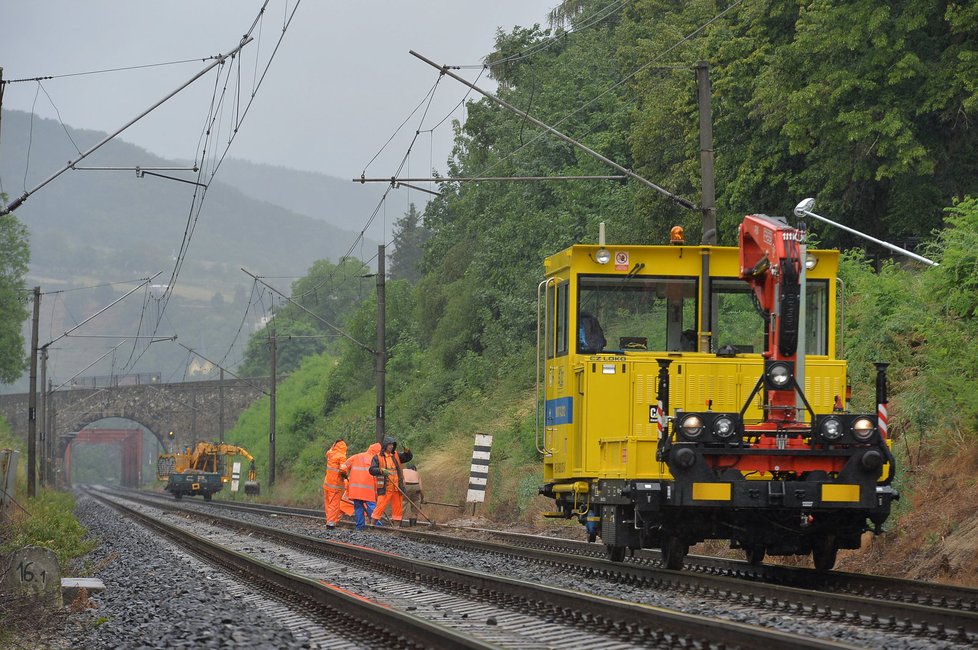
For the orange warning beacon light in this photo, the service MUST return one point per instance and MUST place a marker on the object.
(676, 236)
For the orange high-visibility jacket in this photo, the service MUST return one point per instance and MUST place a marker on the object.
(391, 462)
(357, 467)
(335, 458)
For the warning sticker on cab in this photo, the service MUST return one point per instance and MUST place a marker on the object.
(621, 260)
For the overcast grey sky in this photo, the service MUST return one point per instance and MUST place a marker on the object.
(339, 86)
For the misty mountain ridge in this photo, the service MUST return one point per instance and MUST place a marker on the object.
(101, 223)
(94, 227)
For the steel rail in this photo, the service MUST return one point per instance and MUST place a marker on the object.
(650, 624)
(872, 586)
(394, 624)
(896, 615)
(889, 588)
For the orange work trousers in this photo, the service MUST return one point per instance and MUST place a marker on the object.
(331, 503)
(391, 496)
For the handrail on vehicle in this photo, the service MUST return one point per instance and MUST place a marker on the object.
(541, 352)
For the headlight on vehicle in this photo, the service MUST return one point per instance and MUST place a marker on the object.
(778, 375)
(863, 428)
(831, 429)
(691, 426)
(724, 427)
(602, 256)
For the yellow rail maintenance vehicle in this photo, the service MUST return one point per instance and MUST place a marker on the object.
(203, 470)
(688, 393)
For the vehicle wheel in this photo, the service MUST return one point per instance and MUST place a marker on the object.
(824, 551)
(616, 553)
(755, 554)
(177, 495)
(673, 553)
(207, 496)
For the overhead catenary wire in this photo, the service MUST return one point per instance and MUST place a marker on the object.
(60, 120)
(239, 116)
(469, 179)
(549, 129)
(598, 16)
(313, 314)
(93, 286)
(234, 132)
(27, 193)
(104, 309)
(428, 98)
(244, 317)
(647, 65)
(200, 189)
(107, 70)
(244, 379)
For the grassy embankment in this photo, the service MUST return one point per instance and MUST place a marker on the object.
(440, 433)
(46, 520)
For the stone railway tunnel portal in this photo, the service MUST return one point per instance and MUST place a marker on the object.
(200, 410)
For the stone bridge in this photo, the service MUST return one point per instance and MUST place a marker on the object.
(199, 410)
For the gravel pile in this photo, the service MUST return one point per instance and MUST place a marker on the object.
(156, 596)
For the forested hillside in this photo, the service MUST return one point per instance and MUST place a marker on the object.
(868, 106)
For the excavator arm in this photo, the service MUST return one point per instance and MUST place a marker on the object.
(204, 458)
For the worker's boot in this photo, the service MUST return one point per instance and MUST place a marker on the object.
(412, 521)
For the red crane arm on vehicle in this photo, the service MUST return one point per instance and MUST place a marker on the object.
(770, 262)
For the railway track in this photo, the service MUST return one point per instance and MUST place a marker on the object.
(900, 618)
(883, 588)
(484, 610)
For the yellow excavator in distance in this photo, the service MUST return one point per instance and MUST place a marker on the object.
(203, 470)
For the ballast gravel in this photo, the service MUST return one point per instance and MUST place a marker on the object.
(156, 596)
(144, 612)
(492, 564)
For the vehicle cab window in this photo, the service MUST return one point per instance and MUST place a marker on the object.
(638, 313)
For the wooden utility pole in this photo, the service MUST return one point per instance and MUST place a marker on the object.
(52, 426)
(43, 415)
(221, 400)
(708, 201)
(32, 403)
(271, 414)
(381, 353)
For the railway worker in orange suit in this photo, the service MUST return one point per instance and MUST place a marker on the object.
(346, 505)
(413, 494)
(333, 482)
(386, 468)
(361, 489)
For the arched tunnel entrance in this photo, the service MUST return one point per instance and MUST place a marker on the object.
(113, 451)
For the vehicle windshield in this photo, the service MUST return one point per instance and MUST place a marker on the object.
(636, 313)
(660, 314)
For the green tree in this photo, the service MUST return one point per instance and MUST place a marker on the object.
(328, 293)
(409, 239)
(484, 258)
(14, 257)
(865, 105)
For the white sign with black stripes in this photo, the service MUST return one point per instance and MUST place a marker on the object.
(480, 469)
